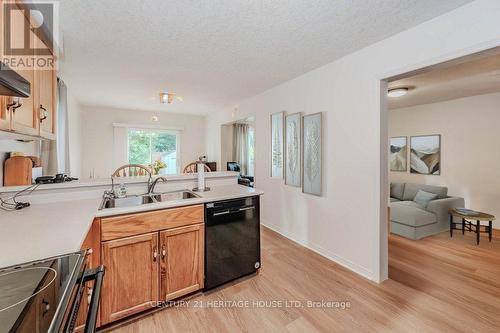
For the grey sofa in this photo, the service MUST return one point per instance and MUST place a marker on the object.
(413, 221)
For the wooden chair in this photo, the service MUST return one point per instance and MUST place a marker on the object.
(193, 168)
(132, 170)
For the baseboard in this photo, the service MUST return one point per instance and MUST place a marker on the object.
(360, 270)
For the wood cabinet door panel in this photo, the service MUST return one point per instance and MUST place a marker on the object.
(181, 266)
(131, 280)
(46, 104)
(24, 118)
(133, 224)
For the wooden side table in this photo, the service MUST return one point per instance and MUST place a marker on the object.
(472, 223)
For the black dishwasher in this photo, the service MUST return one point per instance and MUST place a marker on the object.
(232, 240)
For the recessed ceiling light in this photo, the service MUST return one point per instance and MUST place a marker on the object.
(397, 92)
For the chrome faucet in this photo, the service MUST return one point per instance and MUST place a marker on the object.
(151, 186)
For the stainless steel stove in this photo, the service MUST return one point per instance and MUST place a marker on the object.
(44, 296)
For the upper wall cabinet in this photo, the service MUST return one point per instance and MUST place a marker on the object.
(24, 117)
(46, 104)
(36, 115)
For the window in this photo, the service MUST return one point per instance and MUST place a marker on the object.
(146, 146)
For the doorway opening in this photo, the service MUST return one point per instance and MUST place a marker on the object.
(443, 161)
(238, 149)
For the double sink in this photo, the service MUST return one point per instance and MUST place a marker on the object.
(144, 199)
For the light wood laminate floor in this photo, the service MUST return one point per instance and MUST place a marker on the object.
(436, 284)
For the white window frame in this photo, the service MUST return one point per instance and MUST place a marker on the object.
(177, 134)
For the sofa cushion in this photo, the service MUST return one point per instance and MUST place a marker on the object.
(397, 190)
(423, 198)
(407, 203)
(409, 213)
(394, 199)
(410, 190)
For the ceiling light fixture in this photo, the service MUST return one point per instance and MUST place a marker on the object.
(168, 97)
(397, 92)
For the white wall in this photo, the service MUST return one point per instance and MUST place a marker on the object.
(470, 158)
(345, 223)
(75, 131)
(98, 146)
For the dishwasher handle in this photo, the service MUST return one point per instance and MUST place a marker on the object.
(233, 211)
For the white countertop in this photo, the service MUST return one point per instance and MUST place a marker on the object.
(49, 229)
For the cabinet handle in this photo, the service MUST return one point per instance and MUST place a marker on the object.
(163, 252)
(46, 307)
(44, 114)
(155, 253)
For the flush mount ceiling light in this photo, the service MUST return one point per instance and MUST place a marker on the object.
(397, 92)
(168, 97)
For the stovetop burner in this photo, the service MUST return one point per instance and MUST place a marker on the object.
(36, 290)
(25, 285)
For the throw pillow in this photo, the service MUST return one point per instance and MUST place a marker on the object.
(423, 198)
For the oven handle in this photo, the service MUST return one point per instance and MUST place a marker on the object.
(95, 275)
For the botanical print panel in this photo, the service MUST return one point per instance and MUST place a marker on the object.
(312, 141)
(277, 154)
(398, 154)
(425, 156)
(293, 150)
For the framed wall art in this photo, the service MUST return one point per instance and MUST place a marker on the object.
(312, 137)
(277, 151)
(425, 154)
(398, 154)
(293, 151)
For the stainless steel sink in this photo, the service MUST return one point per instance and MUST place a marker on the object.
(137, 200)
(129, 201)
(175, 195)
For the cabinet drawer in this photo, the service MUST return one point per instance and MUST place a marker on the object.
(140, 223)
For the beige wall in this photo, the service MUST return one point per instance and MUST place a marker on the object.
(470, 155)
(346, 223)
(99, 148)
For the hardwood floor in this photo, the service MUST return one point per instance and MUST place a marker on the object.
(436, 285)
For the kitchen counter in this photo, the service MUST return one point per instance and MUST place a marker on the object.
(49, 229)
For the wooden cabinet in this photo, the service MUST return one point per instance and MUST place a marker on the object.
(47, 104)
(131, 280)
(46, 93)
(181, 265)
(24, 119)
(27, 119)
(150, 256)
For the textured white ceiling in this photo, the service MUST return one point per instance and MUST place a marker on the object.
(122, 53)
(472, 76)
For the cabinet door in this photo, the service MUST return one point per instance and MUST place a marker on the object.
(24, 118)
(131, 280)
(46, 103)
(181, 265)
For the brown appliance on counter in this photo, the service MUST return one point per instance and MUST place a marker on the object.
(18, 171)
